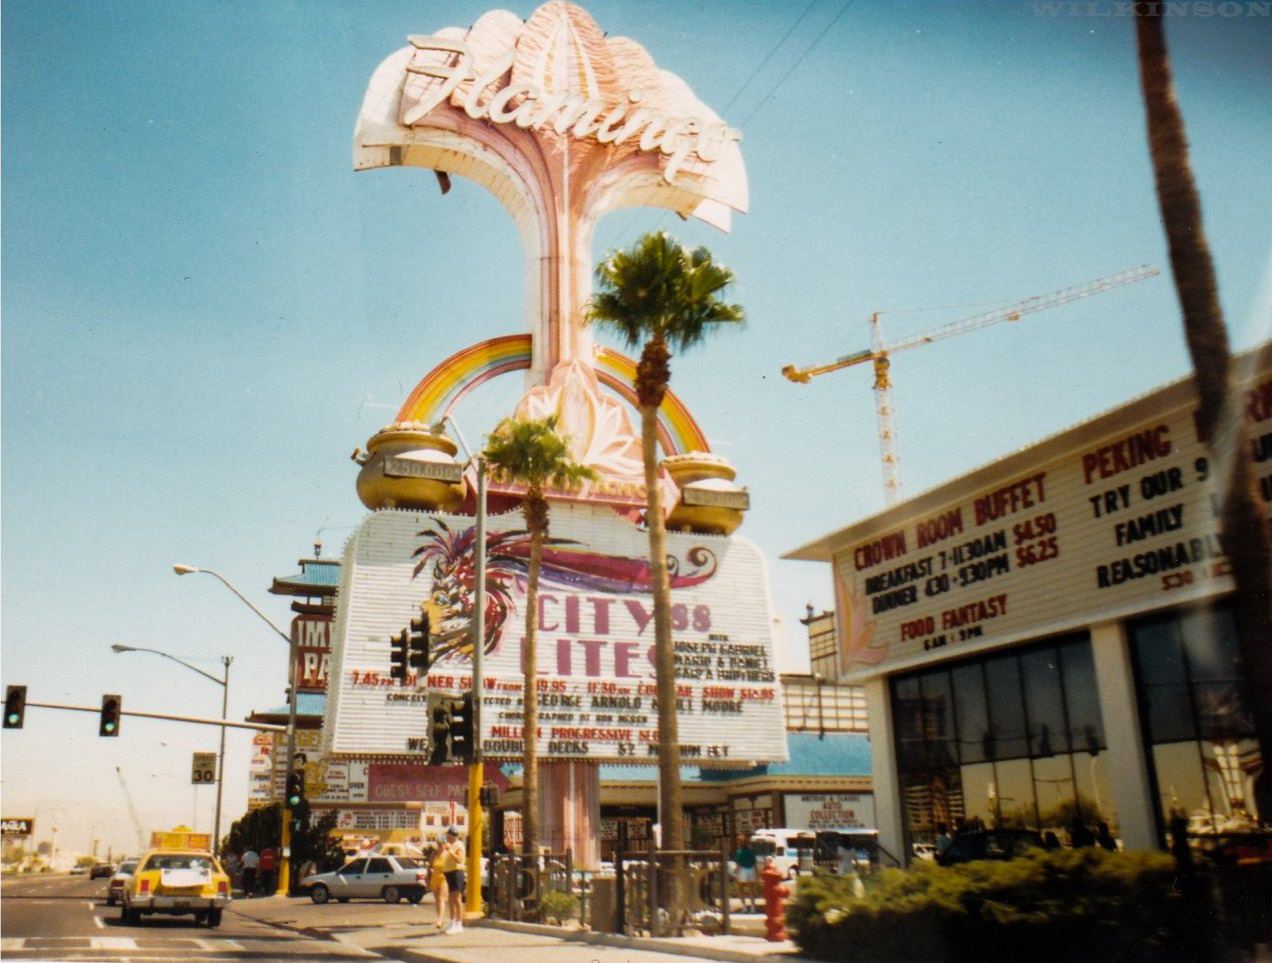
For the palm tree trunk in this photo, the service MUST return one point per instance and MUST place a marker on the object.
(671, 811)
(530, 722)
(1220, 419)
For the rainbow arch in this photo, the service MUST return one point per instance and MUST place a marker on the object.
(445, 386)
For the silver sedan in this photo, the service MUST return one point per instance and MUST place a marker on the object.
(390, 878)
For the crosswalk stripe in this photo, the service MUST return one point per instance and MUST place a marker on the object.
(113, 943)
(11, 944)
(223, 946)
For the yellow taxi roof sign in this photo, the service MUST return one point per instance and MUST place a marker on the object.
(182, 837)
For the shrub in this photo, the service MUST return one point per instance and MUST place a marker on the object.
(558, 906)
(1077, 904)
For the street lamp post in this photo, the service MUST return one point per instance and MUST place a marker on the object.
(224, 683)
(284, 862)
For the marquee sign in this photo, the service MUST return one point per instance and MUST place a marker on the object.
(1117, 516)
(595, 640)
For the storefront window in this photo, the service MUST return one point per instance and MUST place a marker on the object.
(1195, 712)
(1006, 709)
(1012, 740)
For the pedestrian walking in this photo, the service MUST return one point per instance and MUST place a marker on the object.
(268, 870)
(250, 861)
(744, 872)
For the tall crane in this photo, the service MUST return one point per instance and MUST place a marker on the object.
(132, 811)
(879, 354)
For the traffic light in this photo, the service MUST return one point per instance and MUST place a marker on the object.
(14, 706)
(439, 730)
(461, 729)
(295, 789)
(489, 796)
(112, 710)
(300, 817)
(398, 650)
(417, 648)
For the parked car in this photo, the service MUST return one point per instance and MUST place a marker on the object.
(990, 844)
(175, 882)
(390, 878)
(79, 870)
(120, 878)
(100, 870)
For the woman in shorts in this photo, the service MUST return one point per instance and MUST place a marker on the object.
(453, 864)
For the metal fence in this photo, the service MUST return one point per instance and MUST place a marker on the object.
(643, 884)
(518, 882)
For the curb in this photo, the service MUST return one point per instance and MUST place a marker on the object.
(661, 945)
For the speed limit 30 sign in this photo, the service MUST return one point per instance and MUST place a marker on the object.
(204, 768)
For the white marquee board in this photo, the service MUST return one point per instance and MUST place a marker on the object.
(595, 642)
(1116, 517)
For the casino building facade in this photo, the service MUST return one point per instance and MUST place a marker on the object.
(1049, 638)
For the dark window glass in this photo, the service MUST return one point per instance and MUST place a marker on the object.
(907, 701)
(1016, 805)
(970, 712)
(354, 868)
(907, 712)
(1082, 697)
(1210, 646)
(379, 866)
(938, 726)
(1040, 674)
(1168, 713)
(1195, 712)
(1158, 653)
(932, 798)
(1221, 712)
(1006, 711)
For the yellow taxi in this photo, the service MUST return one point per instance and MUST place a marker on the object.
(177, 876)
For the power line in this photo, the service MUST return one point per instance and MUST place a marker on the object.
(802, 58)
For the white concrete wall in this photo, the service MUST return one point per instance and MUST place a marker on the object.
(1132, 791)
(883, 764)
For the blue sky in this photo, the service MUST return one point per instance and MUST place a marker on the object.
(205, 310)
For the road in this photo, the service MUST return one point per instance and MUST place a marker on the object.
(66, 918)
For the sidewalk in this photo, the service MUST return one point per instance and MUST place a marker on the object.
(408, 934)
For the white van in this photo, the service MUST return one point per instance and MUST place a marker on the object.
(790, 849)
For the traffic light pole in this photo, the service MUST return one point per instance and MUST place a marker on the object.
(197, 720)
(477, 625)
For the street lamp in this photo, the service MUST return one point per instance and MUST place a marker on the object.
(284, 863)
(224, 683)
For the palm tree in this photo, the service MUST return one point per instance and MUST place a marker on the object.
(661, 296)
(1220, 418)
(530, 452)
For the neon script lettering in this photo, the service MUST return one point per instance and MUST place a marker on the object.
(529, 106)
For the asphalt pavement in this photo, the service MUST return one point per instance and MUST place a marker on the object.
(50, 917)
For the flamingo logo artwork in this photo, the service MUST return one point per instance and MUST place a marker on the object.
(858, 645)
(447, 557)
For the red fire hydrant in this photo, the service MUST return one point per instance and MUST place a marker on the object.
(775, 893)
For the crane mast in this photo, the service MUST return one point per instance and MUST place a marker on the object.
(132, 811)
(880, 352)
